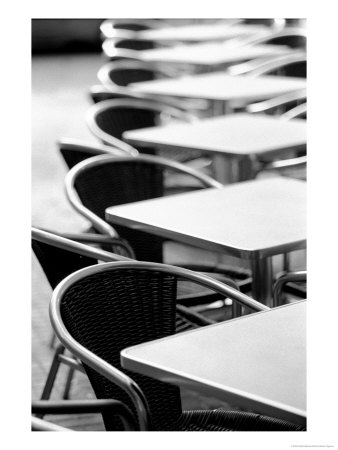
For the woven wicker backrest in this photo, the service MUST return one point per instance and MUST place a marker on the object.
(58, 263)
(294, 69)
(109, 311)
(293, 41)
(123, 77)
(73, 157)
(115, 121)
(119, 182)
(134, 44)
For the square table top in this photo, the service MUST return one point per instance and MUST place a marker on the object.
(231, 135)
(257, 361)
(202, 32)
(220, 86)
(210, 53)
(252, 219)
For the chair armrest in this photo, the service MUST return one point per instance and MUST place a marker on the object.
(43, 425)
(193, 316)
(284, 279)
(86, 407)
(285, 164)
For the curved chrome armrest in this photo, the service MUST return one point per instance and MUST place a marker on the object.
(284, 279)
(115, 407)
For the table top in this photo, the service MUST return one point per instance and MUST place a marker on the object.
(210, 54)
(252, 219)
(220, 86)
(256, 362)
(202, 32)
(231, 135)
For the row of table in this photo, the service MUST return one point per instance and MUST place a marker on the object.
(252, 220)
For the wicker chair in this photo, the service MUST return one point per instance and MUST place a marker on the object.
(74, 151)
(113, 407)
(109, 119)
(290, 64)
(60, 256)
(95, 184)
(294, 37)
(281, 105)
(99, 311)
(109, 27)
(116, 76)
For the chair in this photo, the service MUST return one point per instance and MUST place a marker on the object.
(59, 257)
(109, 119)
(279, 105)
(274, 24)
(74, 151)
(102, 181)
(290, 64)
(290, 283)
(111, 407)
(293, 65)
(109, 27)
(99, 311)
(293, 37)
(116, 76)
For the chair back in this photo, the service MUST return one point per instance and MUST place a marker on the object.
(124, 72)
(105, 181)
(74, 151)
(59, 256)
(111, 118)
(106, 312)
(135, 44)
(291, 67)
(116, 305)
(293, 37)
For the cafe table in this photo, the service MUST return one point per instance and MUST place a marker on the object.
(223, 90)
(252, 220)
(236, 141)
(202, 32)
(208, 56)
(256, 362)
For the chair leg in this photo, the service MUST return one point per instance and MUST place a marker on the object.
(53, 371)
(68, 384)
(52, 341)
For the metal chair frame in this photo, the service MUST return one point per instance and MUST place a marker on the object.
(281, 281)
(135, 103)
(278, 64)
(75, 145)
(249, 67)
(43, 407)
(108, 29)
(285, 32)
(102, 367)
(275, 102)
(298, 111)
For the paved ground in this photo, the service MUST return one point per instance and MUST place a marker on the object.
(59, 101)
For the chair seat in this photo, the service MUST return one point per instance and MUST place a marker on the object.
(222, 420)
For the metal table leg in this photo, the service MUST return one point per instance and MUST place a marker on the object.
(262, 280)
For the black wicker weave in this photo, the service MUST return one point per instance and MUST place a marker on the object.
(116, 183)
(135, 44)
(125, 76)
(111, 310)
